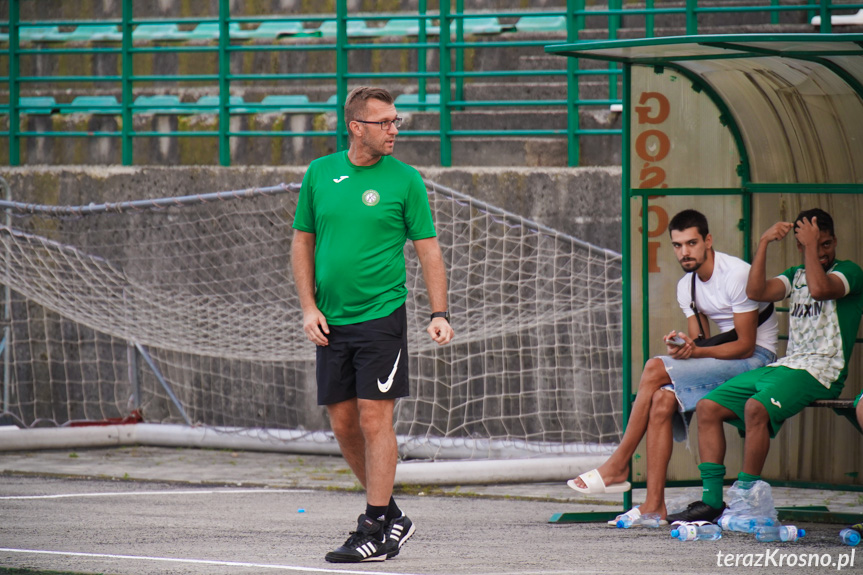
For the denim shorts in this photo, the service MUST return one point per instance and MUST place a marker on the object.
(692, 379)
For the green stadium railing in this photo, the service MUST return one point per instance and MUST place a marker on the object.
(453, 33)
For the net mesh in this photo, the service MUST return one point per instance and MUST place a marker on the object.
(202, 289)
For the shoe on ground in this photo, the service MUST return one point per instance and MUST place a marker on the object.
(696, 511)
(397, 532)
(367, 543)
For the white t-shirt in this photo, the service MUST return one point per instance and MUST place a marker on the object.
(723, 295)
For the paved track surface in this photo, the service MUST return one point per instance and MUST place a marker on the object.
(63, 511)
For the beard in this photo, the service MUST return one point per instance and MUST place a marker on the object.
(692, 263)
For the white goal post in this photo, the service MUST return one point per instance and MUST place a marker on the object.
(182, 312)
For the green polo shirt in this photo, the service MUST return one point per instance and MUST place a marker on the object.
(361, 217)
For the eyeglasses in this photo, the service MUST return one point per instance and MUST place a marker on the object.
(385, 124)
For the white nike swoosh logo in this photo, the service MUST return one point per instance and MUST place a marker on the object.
(385, 386)
(776, 403)
(340, 178)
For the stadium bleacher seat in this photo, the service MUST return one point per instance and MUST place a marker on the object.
(484, 25)
(327, 28)
(159, 104)
(270, 30)
(412, 102)
(37, 105)
(210, 105)
(541, 24)
(149, 32)
(85, 33)
(295, 104)
(210, 31)
(92, 105)
(35, 33)
(842, 19)
(406, 27)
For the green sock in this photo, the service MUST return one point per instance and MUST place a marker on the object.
(712, 475)
(745, 481)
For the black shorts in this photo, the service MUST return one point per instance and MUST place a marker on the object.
(367, 360)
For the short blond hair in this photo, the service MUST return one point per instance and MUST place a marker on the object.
(355, 105)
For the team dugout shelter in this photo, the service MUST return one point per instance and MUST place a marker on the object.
(750, 130)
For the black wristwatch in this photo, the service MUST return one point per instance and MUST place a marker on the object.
(443, 314)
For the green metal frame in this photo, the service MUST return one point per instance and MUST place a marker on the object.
(453, 78)
(746, 190)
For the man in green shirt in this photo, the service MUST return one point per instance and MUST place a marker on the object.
(355, 212)
(826, 303)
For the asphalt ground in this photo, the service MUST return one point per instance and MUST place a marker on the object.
(148, 510)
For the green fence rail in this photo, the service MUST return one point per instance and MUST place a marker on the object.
(452, 32)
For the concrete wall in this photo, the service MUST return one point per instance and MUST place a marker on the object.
(582, 202)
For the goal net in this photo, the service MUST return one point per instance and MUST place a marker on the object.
(183, 310)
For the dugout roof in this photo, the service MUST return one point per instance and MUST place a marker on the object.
(794, 102)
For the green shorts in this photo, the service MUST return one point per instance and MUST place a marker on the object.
(856, 401)
(783, 391)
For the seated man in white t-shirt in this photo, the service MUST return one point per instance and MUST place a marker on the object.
(688, 372)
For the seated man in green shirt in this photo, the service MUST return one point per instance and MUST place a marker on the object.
(826, 302)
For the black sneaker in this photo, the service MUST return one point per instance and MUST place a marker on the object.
(367, 543)
(696, 511)
(398, 531)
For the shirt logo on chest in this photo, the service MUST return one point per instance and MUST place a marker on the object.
(371, 197)
(340, 178)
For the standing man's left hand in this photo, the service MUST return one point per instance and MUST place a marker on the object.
(440, 330)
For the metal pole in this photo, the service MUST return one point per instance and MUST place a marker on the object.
(162, 381)
(459, 52)
(224, 84)
(445, 143)
(14, 87)
(574, 23)
(341, 73)
(648, 20)
(613, 27)
(127, 84)
(691, 18)
(421, 53)
(134, 381)
(826, 24)
(7, 313)
(626, 263)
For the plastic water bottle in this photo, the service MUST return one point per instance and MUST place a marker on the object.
(779, 533)
(849, 536)
(744, 523)
(644, 520)
(686, 532)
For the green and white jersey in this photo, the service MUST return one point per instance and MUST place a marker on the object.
(361, 217)
(822, 333)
